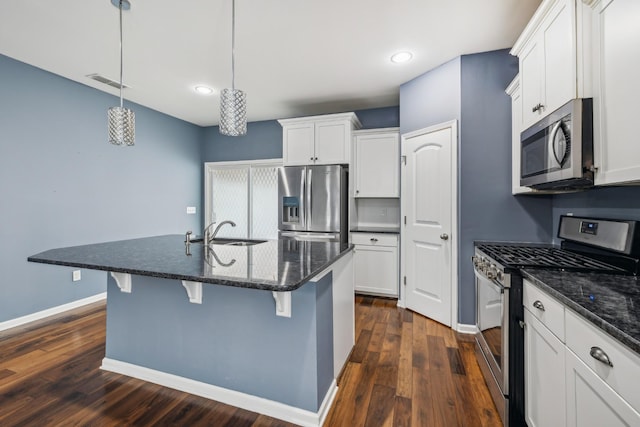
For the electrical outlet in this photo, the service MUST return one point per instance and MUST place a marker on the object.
(191, 210)
(77, 275)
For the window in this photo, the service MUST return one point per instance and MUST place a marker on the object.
(245, 193)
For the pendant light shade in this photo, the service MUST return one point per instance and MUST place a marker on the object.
(122, 121)
(233, 102)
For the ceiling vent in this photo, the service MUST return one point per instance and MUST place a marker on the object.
(106, 80)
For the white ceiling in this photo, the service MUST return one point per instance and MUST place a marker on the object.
(293, 57)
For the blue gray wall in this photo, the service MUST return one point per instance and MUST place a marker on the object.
(432, 98)
(471, 90)
(62, 184)
(240, 343)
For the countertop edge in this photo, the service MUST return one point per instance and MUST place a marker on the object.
(213, 281)
(611, 330)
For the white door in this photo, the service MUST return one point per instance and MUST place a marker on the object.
(428, 200)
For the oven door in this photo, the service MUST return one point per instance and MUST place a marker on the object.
(493, 326)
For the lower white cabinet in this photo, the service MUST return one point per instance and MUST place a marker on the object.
(591, 402)
(375, 261)
(544, 375)
(590, 380)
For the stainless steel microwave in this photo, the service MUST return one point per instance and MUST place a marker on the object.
(557, 152)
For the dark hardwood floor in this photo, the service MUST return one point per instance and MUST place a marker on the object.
(405, 370)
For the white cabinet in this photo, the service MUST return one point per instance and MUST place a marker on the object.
(376, 263)
(513, 90)
(573, 383)
(616, 64)
(599, 393)
(544, 372)
(377, 163)
(320, 140)
(551, 58)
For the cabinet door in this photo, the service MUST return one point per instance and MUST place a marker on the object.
(591, 402)
(298, 141)
(376, 270)
(377, 165)
(531, 83)
(617, 86)
(544, 375)
(515, 92)
(559, 62)
(332, 142)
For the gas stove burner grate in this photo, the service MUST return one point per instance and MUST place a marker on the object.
(547, 258)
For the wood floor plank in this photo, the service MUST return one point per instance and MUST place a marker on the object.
(360, 349)
(405, 362)
(402, 412)
(381, 406)
(377, 337)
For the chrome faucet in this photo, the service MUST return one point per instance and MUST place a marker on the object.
(208, 237)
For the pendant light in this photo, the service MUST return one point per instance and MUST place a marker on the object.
(122, 121)
(233, 102)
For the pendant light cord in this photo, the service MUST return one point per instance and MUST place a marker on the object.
(121, 84)
(233, 43)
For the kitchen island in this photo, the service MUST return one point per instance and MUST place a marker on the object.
(265, 327)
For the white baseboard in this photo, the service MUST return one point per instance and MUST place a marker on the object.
(19, 321)
(467, 329)
(230, 397)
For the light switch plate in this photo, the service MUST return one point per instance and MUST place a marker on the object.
(77, 275)
(191, 210)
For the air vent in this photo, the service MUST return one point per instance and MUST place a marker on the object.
(106, 80)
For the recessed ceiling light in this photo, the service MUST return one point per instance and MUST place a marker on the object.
(204, 90)
(401, 57)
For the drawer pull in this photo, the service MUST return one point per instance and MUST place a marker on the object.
(538, 304)
(373, 239)
(598, 354)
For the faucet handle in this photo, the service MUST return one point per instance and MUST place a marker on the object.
(187, 237)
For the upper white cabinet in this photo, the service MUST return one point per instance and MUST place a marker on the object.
(320, 140)
(550, 52)
(377, 163)
(616, 64)
(513, 90)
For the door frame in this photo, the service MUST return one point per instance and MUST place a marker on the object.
(453, 125)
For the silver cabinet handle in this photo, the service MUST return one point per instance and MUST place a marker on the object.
(538, 304)
(598, 354)
(373, 239)
(444, 236)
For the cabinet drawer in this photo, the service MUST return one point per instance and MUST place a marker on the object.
(374, 239)
(623, 376)
(545, 308)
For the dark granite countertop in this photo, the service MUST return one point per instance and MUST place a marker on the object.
(610, 302)
(385, 230)
(276, 265)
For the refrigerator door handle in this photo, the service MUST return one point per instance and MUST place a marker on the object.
(303, 202)
(308, 191)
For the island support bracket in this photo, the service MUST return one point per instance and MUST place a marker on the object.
(283, 303)
(194, 291)
(123, 280)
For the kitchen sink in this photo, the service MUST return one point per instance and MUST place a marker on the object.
(236, 242)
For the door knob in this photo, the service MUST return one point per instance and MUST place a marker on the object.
(444, 236)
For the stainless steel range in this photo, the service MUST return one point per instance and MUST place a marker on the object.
(589, 245)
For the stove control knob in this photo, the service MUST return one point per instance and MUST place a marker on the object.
(492, 272)
(500, 276)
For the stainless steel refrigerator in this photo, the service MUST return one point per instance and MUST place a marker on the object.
(313, 202)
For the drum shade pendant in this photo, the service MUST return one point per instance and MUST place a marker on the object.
(233, 102)
(122, 121)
